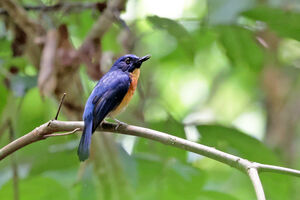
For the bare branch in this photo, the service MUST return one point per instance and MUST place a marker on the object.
(251, 168)
(259, 190)
(63, 6)
(62, 126)
(90, 50)
(277, 169)
(20, 17)
(105, 20)
(62, 134)
(30, 27)
(47, 79)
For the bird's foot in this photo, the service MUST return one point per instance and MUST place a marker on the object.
(119, 123)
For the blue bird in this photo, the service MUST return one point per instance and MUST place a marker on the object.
(110, 96)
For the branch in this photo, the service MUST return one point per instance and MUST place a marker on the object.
(91, 48)
(104, 21)
(259, 190)
(47, 78)
(63, 6)
(30, 27)
(246, 166)
(20, 17)
(277, 169)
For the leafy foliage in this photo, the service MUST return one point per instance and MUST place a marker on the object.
(285, 23)
(208, 70)
(42, 188)
(240, 47)
(235, 142)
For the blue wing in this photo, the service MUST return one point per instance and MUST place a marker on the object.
(110, 99)
(106, 96)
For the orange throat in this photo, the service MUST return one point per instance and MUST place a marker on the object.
(134, 81)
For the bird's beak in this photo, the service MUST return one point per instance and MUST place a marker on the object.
(143, 59)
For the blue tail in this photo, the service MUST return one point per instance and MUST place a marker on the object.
(83, 151)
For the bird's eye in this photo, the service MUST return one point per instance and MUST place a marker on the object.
(127, 61)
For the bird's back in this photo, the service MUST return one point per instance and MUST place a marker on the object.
(108, 83)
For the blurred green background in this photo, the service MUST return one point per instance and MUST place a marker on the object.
(224, 73)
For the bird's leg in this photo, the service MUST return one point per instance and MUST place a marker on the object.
(103, 121)
(119, 123)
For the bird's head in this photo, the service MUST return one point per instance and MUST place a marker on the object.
(129, 63)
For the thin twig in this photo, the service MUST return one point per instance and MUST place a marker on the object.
(282, 170)
(259, 190)
(62, 134)
(121, 21)
(60, 104)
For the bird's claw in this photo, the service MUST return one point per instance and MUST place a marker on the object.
(119, 124)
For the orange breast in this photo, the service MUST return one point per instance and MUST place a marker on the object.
(134, 80)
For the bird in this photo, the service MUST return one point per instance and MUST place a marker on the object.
(110, 96)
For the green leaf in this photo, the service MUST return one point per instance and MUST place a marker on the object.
(240, 47)
(236, 142)
(44, 160)
(204, 38)
(79, 23)
(51, 154)
(18, 62)
(186, 47)
(213, 195)
(65, 176)
(167, 179)
(285, 23)
(170, 126)
(240, 144)
(34, 111)
(3, 96)
(173, 27)
(223, 179)
(109, 43)
(36, 188)
(129, 165)
(5, 44)
(88, 190)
